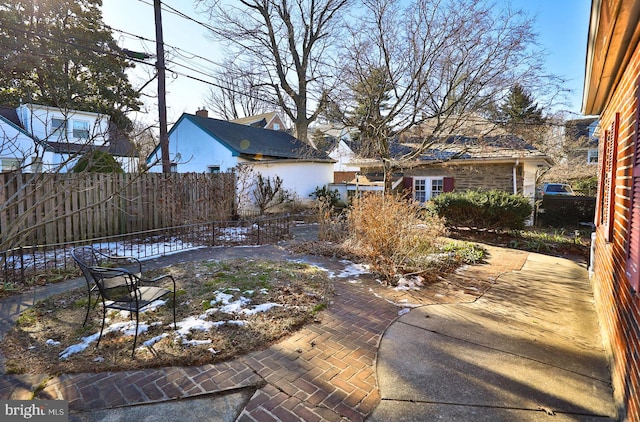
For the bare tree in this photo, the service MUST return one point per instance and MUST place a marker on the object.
(238, 93)
(290, 41)
(437, 64)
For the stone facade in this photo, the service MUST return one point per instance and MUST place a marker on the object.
(474, 177)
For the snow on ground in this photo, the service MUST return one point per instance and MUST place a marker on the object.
(238, 307)
(142, 249)
(350, 269)
(222, 302)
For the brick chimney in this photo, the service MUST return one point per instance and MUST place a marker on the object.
(202, 112)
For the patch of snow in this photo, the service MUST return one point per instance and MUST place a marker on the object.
(51, 342)
(264, 307)
(185, 327)
(403, 311)
(154, 340)
(353, 270)
(409, 283)
(195, 342)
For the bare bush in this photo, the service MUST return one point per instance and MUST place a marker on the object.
(388, 232)
(331, 227)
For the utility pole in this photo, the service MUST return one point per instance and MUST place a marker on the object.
(162, 101)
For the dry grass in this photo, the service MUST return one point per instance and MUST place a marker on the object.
(300, 289)
(389, 234)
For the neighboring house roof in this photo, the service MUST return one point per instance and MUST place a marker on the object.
(487, 149)
(10, 115)
(8, 121)
(577, 128)
(72, 148)
(261, 120)
(251, 142)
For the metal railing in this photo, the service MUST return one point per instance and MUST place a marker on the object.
(28, 265)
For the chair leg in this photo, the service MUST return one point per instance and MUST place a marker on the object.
(135, 338)
(86, 317)
(104, 315)
(175, 326)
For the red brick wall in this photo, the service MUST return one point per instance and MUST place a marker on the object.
(617, 304)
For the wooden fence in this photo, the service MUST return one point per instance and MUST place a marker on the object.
(61, 208)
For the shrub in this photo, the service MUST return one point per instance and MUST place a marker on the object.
(97, 161)
(331, 197)
(587, 186)
(482, 209)
(269, 193)
(385, 230)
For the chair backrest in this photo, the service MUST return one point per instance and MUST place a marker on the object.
(86, 257)
(115, 284)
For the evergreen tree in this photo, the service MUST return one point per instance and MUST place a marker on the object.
(97, 161)
(59, 53)
(519, 108)
(371, 93)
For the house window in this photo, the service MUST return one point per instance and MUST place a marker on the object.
(425, 188)
(80, 129)
(276, 126)
(10, 164)
(420, 190)
(214, 169)
(58, 128)
(592, 156)
(437, 187)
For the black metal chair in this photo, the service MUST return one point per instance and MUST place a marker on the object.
(87, 257)
(120, 288)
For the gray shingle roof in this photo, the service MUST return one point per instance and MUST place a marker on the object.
(250, 141)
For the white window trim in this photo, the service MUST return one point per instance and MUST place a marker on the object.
(428, 181)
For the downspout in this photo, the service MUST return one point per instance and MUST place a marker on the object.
(515, 179)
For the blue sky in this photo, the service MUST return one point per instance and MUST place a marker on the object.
(562, 27)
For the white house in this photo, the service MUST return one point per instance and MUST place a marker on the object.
(201, 144)
(16, 148)
(52, 139)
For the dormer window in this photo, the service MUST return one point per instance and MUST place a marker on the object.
(80, 129)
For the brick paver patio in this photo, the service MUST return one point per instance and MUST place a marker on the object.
(325, 371)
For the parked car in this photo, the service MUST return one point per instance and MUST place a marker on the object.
(555, 189)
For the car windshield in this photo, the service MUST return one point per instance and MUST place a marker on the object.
(558, 188)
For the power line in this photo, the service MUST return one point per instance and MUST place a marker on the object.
(166, 45)
(175, 63)
(181, 14)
